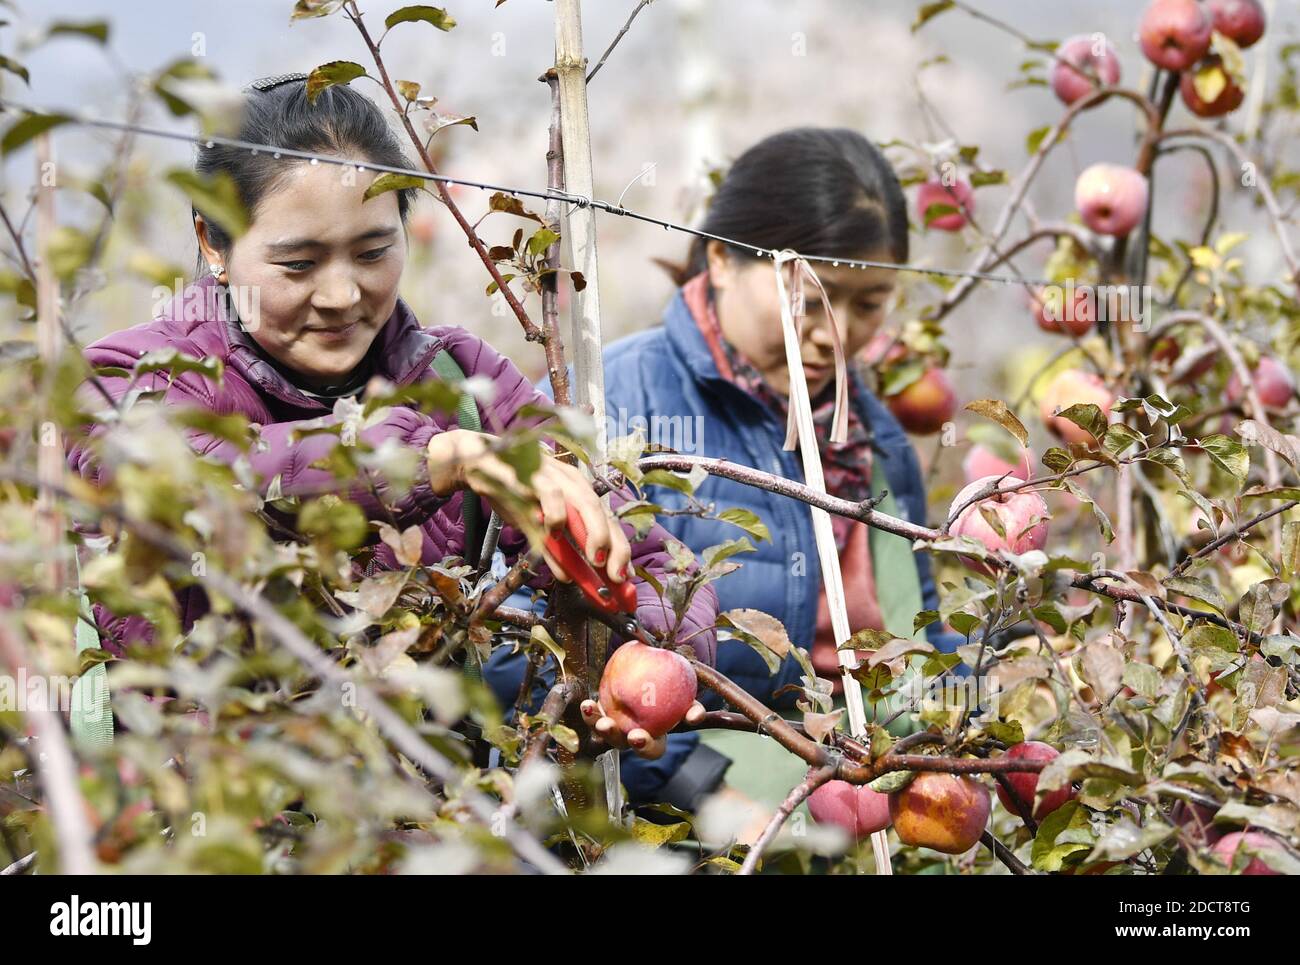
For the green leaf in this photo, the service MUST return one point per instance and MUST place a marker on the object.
(15, 68)
(898, 377)
(541, 239)
(327, 75)
(1229, 456)
(1201, 590)
(1169, 460)
(997, 410)
(1291, 550)
(94, 29)
(892, 782)
(69, 249)
(565, 736)
(1143, 678)
(1064, 832)
(1265, 492)
(929, 11)
(540, 636)
(391, 182)
(963, 622)
(1212, 641)
(722, 551)
(421, 13)
(1256, 608)
(934, 212)
(215, 197)
(314, 8)
(979, 179)
(746, 520)
(337, 524)
(867, 639)
(924, 619)
(1035, 139)
(1283, 646)
(1119, 438)
(28, 127)
(1057, 459)
(1087, 416)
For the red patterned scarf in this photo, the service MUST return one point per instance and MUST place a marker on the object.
(847, 467)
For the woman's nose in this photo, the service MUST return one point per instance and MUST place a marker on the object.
(338, 291)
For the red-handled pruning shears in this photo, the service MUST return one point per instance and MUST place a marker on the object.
(614, 603)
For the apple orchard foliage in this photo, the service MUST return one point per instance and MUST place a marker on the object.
(1171, 732)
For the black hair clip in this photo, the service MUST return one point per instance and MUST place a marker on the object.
(267, 83)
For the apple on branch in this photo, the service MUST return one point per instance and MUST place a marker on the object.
(644, 693)
(1241, 21)
(1174, 34)
(1074, 387)
(1015, 521)
(857, 809)
(1025, 783)
(1054, 315)
(924, 406)
(1273, 382)
(1076, 58)
(957, 196)
(1209, 90)
(1235, 847)
(942, 812)
(1111, 199)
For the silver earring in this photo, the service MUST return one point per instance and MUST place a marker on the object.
(216, 272)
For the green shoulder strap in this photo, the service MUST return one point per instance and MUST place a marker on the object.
(898, 587)
(92, 711)
(467, 418)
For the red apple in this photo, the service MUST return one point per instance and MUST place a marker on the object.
(926, 404)
(1025, 783)
(1241, 21)
(1110, 198)
(1167, 352)
(1073, 387)
(943, 812)
(956, 195)
(1174, 34)
(646, 687)
(1273, 382)
(982, 461)
(1022, 514)
(1082, 52)
(857, 809)
(1053, 314)
(1247, 841)
(1210, 72)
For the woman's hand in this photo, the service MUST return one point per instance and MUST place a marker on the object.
(637, 738)
(462, 459)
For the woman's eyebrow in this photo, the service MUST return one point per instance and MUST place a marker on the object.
(883, 288)
(288, 247)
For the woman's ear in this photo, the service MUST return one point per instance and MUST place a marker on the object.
(722, 266)
(209, 253)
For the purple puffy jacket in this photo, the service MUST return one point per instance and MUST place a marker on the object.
(195, 325)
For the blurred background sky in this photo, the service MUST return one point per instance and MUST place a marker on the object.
(690, 87)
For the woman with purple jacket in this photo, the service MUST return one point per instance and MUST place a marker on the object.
(302, 310)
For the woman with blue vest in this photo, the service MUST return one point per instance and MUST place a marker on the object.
(717, 364)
